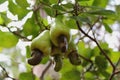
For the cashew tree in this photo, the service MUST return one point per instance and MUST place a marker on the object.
(59, 39)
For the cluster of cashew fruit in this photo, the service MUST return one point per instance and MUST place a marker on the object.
(57, 43)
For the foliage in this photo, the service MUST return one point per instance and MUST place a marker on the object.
(91, 19)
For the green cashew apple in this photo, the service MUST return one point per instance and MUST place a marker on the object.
(58, 62)
(60, 36)
(72, 54)
(41, 46)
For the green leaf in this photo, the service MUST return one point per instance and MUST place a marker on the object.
(71, 75)
(102, 12)
(118, 12)
(86, 2)
(53, 1)
(100, 3)
(81, 19)
(2, 1)
(1, 20)
(58, 7)
(71, 23)
(83, 0)
(115, 56)
(89, 76)
(5, 18)
(68, 5)
(7, 39)
(22, 3)
(30, 28)
(49, 11)
(105, 74)
(101, 62)
(107, 28)
(45, 60)
(17, 10)
(26, 76)
(67, 66)
(28, 52)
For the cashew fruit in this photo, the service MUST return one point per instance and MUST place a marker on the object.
(60, 36)
(42, 42)
(40, 46)
(74, 58)
(58, 62)
(36, 57)
(72, 54)
(57, 56)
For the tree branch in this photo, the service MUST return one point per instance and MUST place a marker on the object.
(113, 74)
(88, 61)
(93, 39)
(45, 70)
(19, 35)
(6, 74)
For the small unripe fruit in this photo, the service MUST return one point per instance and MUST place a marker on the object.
(74, 58)
(58, 62)
(72, 54)
(60, 37)
(57, 55)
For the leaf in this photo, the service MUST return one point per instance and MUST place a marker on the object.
(49, 11)
(105, 74)
(5, 18)
(67, 66)
(71, 75)
(17, 10)
(2, 1)
(22, 3)
(28, 52)
(107, 28)
(100, 3)
(102, 12)
(53, 1)
(71, 24)
(1, 20)
(58, 7)
(86, 2)
(83, 0)
(101, 62)
(26, 76)
(115, 56)
(68, 5)
(81, 19)
(89, 76)
(7, 39)
(117, 8)
(30, 28)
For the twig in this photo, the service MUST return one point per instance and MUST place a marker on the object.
(93, 39)
(117, 62)
(113, 74)
(88, 61)
(97, 45)
(17, 34)
(6, 74)
(45, 70)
